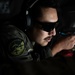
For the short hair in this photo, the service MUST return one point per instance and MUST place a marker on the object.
(35, 10)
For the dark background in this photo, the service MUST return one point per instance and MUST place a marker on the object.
(13, 12)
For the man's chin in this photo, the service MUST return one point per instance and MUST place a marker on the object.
(44, 44)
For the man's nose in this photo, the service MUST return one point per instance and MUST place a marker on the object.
(52, 32)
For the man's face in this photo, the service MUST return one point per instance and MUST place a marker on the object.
(41, 36)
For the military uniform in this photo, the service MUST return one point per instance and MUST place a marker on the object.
(16, 46)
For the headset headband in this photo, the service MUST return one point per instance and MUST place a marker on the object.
(31, 6)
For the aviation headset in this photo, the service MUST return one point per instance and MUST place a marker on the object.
(28, 18)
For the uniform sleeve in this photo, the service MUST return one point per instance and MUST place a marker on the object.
(16, 45)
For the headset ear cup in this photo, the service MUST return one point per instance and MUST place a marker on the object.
(28, 20)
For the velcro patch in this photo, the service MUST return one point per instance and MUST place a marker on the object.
(16, 47)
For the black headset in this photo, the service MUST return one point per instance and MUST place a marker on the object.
(28, 17)
(28, 13)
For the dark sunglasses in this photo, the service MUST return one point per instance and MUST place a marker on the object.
(47, 26)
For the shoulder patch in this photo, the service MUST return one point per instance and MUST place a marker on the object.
(16, 47)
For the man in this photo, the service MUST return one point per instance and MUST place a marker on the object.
(18, 46)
